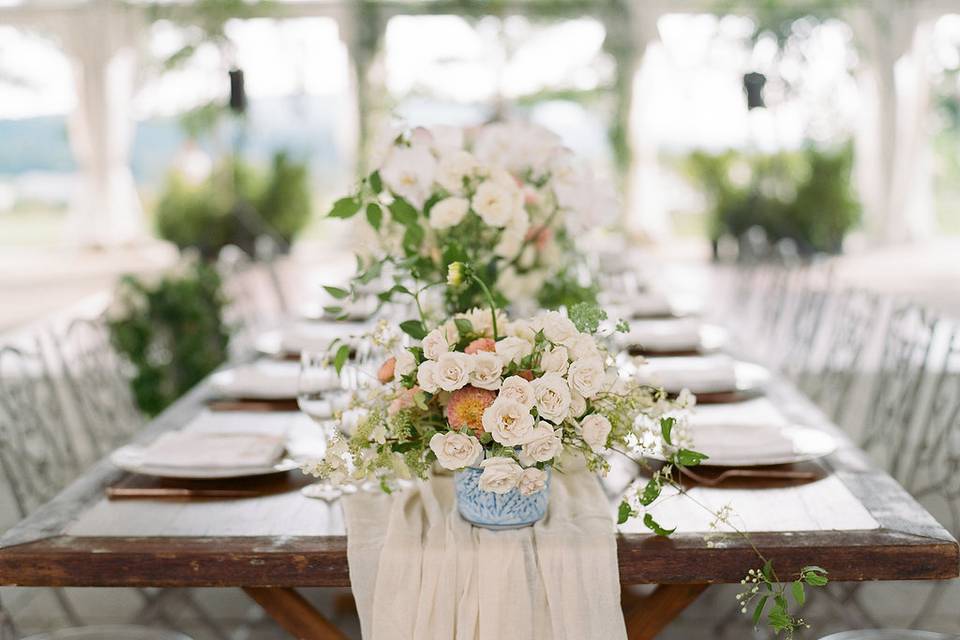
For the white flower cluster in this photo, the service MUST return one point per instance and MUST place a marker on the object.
(531, 405)
(518, 178)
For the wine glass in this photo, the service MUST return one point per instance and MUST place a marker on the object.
(320, 393)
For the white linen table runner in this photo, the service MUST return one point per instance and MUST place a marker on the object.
(420, 572)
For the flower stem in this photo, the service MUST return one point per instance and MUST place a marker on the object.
(493, 305)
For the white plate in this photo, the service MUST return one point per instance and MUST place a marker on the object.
(130, 458)
(762, 445)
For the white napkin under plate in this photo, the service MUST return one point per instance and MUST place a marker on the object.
(699, 374)
(674, 334)
(213, 450)
(260, 380)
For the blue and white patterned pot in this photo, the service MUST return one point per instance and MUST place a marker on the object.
(511, 510)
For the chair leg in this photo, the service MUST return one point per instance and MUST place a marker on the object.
(68, 609)
(7, 629)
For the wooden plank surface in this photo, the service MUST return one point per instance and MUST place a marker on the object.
(905, 543)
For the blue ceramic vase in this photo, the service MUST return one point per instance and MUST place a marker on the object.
(511, 510)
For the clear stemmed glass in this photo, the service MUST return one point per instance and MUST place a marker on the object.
(320, 392)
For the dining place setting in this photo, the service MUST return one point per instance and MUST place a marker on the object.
(475, 457)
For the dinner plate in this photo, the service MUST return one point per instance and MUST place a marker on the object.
(130, 458)
(757, 445)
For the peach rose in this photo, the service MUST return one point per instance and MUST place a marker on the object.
(387, 369)
(403, 401)
(481, 344)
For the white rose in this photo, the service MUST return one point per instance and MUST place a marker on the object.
(552, 396)
(582, 346)
(496, 203)
(500, 475)
(518, 389)
(409, 171)
(557, 327)
(532, 481)
(587, 376)
(578, 404)
(513, 349)
(508, 421)
(448, 212)
(453, 169)
(455, 450)
(446, 139)
(453, 370)
(434, 344)
(594, 429)
(486, 371)
(555, 360)
(427, 376)
(406, 363)
(522, 329)
(509, 244)
(482, 322)
(544, 444)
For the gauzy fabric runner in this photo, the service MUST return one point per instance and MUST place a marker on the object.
(420, 572)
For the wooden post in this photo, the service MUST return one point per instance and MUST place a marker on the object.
(650, 615)
(292, 612)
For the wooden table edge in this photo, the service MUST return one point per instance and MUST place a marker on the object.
(315, 561)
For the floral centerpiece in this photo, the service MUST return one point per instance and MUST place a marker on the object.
(501, 197)
(502, 403)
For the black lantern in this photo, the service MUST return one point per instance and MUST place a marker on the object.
(753, 83)
(238, 95)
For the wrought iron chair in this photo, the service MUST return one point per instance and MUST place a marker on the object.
(36, 460)
(39, 454)
(97, 380)
(895, 398)
(913, 427)
(850, 322)
(809, 296)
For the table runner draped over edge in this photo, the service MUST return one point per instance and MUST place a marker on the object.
(420, 572)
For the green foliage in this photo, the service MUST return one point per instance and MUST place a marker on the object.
(802, 195)
(565, 290)
(207, 216)
(764, 587)
(172, 332)
(586, 316)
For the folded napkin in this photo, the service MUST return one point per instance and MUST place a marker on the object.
(741, 443)
(213, 450)
(262, 380)
(675, 334)
(420, 572)
(757, 411)
(317, 336)
(699, 374)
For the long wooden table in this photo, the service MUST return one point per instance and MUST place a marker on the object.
(893, 537)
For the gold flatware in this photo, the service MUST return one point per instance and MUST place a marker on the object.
(761, 474)
(127, 493)
(252, 405)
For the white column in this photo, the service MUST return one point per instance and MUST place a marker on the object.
(893, 169)
(100, 38)
(645, 214)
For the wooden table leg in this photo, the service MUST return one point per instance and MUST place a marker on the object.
(651, 614)
(292, 612)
